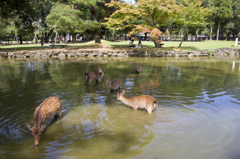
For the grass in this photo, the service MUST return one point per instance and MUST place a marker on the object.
(168, 45)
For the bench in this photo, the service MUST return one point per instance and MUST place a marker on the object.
(58, 46)
(160, 45)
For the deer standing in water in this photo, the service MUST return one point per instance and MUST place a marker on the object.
(142, 102)
(137, 67)
(115, 84)
(94, 75)
(48, 108)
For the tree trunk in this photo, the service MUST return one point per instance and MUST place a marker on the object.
(227, 36)
(218, 31)
(73, 37)
(20, 39)
(145, 37)
(184, 36)
(56, 37)
(170, 32)
(35, 39)
(97, 36)
(114, 37)
(155, 43)
(211, 33)
(197, 32)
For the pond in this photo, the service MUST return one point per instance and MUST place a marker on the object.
(198, 111)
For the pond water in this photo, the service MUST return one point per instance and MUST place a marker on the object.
(198, 114)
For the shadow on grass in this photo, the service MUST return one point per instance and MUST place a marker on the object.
(112, 47)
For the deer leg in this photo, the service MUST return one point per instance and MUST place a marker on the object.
(89, 81)
(149, 110)
(135, 108)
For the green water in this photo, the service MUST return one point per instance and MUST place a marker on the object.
(197, 116)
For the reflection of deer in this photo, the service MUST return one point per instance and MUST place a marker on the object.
(94, 75)
(142, 102)
(94, 88)
(115, 84)
(43, 112)
(137, 67)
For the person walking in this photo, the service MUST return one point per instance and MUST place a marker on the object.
(42, 40)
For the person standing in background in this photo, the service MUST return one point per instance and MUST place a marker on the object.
(42, 40)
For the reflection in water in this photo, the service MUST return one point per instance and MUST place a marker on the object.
(197, 116)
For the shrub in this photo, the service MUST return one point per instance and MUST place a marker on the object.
(209, 53)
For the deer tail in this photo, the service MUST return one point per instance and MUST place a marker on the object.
(86, 76)
(155, 103)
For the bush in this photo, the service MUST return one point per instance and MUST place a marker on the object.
(209, 53)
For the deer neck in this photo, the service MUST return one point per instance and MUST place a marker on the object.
(126, 101)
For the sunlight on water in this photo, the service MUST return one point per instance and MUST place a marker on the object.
(197, 114)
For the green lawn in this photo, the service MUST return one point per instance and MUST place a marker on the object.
(169, 45)
(189, 45)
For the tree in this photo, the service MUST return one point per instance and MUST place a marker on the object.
(235, 18)
(63, 18)
(92, 14)
(222, 12)
(193, 15)
(150, 13)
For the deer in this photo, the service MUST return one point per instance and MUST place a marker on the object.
(94, 75)
(139, 102)
(48, 108)
(137, 67)
(115, 84)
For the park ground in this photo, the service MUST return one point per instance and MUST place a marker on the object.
(123, 45)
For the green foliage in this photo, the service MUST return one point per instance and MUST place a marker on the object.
(209, 53)
(64, 19)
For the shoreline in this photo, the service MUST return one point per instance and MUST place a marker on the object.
(108, 52)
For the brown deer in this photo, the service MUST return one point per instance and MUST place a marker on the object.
(94, 75)
(48, 108)
(115, 84)
(142, 102)
(137, 67)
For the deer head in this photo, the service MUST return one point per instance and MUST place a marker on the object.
(100, 70)
(119, 95)
(108, 81)
(36, 133)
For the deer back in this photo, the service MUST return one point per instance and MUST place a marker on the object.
(94, 75)
(46, 110)
(115, 84)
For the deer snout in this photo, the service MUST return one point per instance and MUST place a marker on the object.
(36, 146)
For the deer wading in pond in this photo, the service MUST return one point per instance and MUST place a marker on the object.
(94, 75)
(48, 108)
(115, 84)
(137, 67)
(142, 102)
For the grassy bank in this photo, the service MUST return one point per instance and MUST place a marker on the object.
(169, 45)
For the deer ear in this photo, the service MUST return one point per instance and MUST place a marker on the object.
(139, 63)
(29, 126)
(43, 127)
(123, 92)
(99, 67)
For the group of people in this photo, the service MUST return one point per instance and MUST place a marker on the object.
(133, 45)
